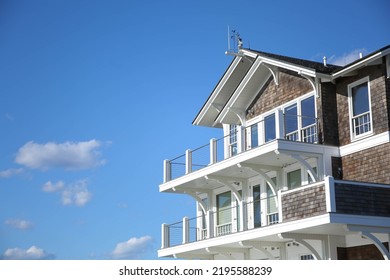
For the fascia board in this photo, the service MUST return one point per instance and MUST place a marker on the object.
(361, 63)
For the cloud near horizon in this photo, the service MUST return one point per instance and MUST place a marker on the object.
(133, 249)
(67, 155)
(32, 253)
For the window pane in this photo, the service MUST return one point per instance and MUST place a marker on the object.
(291, 118)
(294, 179)
(254, 136)
(233, 134)
(271, 201)
(360, 99)
(269, 125)
(308, 111)
(233, 139)
(224, 201)
(256, 206)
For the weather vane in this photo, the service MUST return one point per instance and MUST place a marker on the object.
(234, 42)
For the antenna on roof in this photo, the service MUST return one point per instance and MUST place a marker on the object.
(234, 42)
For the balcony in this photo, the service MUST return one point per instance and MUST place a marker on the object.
(327, 207)
(243, 139)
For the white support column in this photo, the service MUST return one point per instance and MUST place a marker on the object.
(167, 171)
(213, 151)
(186, 230)
(283, 251)
(164, 236)
(188, 161)
(330, 197)
(209, 224)
(280, 206)
(279, 120)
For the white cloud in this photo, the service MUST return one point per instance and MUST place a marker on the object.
(10, 172)
(68, 155)
(346, 58)
(76, 194)
(134, 248)
(53, 187)
(19, 224)
(32, 253)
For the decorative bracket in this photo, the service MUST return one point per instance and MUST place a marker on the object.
(274, 71)
(314, 83)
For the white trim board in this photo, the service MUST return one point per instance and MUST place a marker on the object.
(365, 143)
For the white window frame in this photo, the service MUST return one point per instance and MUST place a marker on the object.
(297, 102)
(350, 107)
(261, 118)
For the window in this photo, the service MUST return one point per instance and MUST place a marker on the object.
(300, 121)
(308, 120)
(254, 136)
(224, 204)
(294, 179)
(291, 122)
(269, 128)
(256, 206)
(359, 108)
(272, 210)
(232, 140)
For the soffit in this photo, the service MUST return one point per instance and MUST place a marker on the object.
(223, 91)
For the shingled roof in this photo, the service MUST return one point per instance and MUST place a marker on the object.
(319, 67)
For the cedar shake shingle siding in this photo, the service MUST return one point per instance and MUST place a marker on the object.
(305, 203)
(290, 87)
(369, 165)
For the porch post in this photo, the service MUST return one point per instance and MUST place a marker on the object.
(167, 171)
(209, 224)
(188, 161)
(213, 151)
(186, 230)
(280, 212)
(330, 194)
(164, 236)
(279, 119)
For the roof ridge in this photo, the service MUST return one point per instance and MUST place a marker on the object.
(318, 66)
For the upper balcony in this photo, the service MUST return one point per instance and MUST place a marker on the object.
(260, 146)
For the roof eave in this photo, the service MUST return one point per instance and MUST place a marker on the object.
(361, 63)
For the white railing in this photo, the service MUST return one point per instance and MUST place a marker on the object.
(273, 218)
(193, 230)
(213, 152)
(223, 229)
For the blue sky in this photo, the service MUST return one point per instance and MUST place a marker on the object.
(94, 95)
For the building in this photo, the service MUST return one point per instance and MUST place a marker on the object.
(302, 170)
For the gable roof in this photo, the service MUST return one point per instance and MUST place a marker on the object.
(249, 67)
